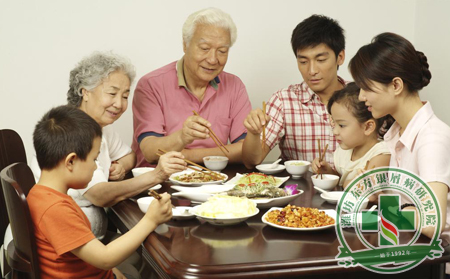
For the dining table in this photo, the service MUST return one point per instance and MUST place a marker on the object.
(252, 249)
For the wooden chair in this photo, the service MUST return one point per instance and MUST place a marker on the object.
(17, 180)
(11, 151)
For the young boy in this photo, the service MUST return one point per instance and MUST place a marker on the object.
(298, 115)
(67, 143)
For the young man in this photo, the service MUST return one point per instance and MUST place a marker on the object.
(297, 116)
(67, 143)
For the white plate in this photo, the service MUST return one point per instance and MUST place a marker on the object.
(171, 178)
(329, 212)
(264, 168)
(210, 189)
(281, 201)
(182, 213)
(280, 180)
(156, 187)
(222, 221)
(332, 197)
(193, 196)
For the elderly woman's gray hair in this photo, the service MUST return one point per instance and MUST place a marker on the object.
(211, 16)
(92, 70)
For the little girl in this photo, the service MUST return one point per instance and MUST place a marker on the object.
(358, 135)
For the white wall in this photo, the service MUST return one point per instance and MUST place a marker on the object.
(432, 36)
(41, 41)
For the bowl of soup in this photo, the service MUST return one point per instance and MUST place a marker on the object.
(297, 167)
(215, 163)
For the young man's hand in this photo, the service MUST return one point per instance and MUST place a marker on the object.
(255, 120)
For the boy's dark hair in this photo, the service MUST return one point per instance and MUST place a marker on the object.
(318, 29)
(61, 131)
(348, 97)
(388, 56)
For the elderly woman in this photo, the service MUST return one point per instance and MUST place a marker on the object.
(100, 86)
(165, 98)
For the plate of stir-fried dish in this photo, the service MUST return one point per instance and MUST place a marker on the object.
(298, 218)
(197, 178)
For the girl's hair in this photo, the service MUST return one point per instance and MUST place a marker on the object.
(348, 97)
(386, 57)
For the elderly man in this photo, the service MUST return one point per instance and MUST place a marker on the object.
(165, 99)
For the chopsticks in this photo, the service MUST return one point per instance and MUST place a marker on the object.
(154, 194)
(157, 196)
(211, 173)
(263, 142)
(216, 140)
(321, 157)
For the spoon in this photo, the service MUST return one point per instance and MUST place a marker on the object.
(320, 190)
(372, 208)
(274, 164)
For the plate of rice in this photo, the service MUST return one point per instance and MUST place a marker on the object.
(225, 210)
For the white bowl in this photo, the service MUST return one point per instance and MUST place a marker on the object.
(328, 182)
(144, 203)
(215, 163)
(264, 168)
(139, 171)
(297, 167)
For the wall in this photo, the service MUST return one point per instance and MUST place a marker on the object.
(432, 37)
(43, 40)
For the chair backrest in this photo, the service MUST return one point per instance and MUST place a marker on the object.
(11, 151)
(17, 180)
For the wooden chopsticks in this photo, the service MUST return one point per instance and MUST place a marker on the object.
(209, 172)
(263, 142)
(214, 137)
(157, 196)
(154, 194)
(321, 157)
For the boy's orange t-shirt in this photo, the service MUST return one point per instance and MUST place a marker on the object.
(61, 226)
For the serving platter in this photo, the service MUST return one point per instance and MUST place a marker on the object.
(279, 180)
(281, 201)
(226, 221)
(329, 212)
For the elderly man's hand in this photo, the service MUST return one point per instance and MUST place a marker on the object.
(169, 163)
(194, 128)
(255, 121)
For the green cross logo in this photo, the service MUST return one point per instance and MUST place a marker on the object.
(393, 220)
(388, 256)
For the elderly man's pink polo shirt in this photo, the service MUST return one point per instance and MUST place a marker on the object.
(162, 103)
